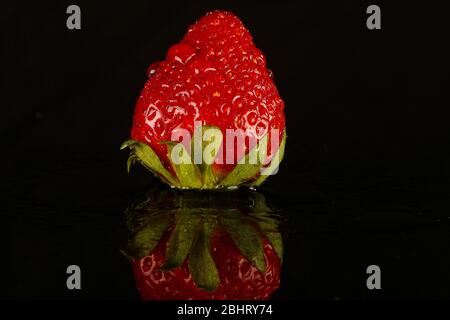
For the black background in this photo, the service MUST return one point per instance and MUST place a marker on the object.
(365, 177)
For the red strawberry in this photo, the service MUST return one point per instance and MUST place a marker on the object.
(215, 75)
(197, 249)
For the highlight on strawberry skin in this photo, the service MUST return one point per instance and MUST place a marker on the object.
(190, 245)
(209, 115)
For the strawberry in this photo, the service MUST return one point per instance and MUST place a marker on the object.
(215, 77)
(204, 246)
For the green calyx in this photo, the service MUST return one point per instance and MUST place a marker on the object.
(193, 169)
(192, 220)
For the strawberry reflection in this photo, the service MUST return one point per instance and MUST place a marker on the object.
(204, 245)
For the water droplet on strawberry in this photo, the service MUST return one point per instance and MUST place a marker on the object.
(153, 68)
(237, 101)
(239, 123)
(251, 118)
(174, 112)
(180, 52)
(225, 109)
(261, 128)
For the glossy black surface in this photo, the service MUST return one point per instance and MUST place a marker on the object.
(366, 174)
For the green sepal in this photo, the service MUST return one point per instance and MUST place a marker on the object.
(147, 238)
(127, 143)
(276, 241)
(269, 225)
(244, 170)
(149, 159)
(190, 175)
(201, 263)
(181, 239)
(131, 160)
(246, 238)
(187, 172)
(209, 177)
(273, 164)
(259, 205)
